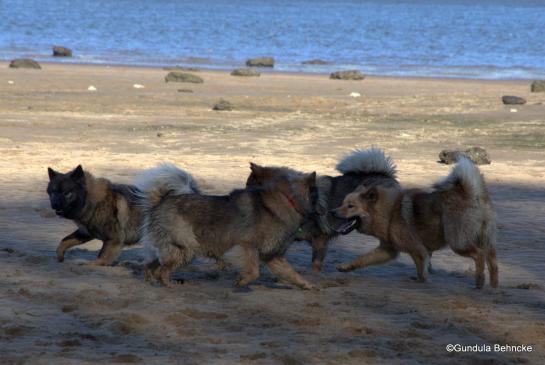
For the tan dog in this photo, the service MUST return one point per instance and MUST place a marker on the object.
(457, 213)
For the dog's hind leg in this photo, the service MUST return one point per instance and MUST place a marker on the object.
(421, 259)
(478, 255)
(74, 239)
(319, 249)
(250, 271)
(488, 242)
(380, 255)
(151, 270)
(430, 268)
(108, 253)
(492, 266)
(178, 256)
(280, 267)
(221, 264)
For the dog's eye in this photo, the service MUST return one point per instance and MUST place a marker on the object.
(68, 194)
(350, 206)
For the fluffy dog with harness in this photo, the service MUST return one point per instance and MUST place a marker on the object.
(368, 167)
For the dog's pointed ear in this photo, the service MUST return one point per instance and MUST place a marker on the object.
(311, 179)
(256, 169)
(370, 195)
(78, 174)
(257, 173)
(52, 173)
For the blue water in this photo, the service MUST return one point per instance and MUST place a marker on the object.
(477, 39)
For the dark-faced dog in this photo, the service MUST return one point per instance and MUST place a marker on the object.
(180, 223)
(101, 209)
(369, 167)
(457, 213)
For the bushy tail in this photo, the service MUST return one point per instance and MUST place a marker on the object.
(157, 182)
(466, 175)
(369, 161)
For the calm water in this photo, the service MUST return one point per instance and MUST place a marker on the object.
(484, 39)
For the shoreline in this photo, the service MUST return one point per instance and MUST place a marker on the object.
(272, 71)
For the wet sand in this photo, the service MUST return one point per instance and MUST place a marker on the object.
(72, 313)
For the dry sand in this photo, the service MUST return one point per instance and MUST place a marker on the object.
(71, 313)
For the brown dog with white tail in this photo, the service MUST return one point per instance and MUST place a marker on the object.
(457, 213)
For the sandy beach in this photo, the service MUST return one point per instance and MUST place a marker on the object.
(72, 313)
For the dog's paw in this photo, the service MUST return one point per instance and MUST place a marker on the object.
(311, 287)
(60, 255)
(316, 266)
(419, 279)
(344, 267)
(97, 262)
(241, 282)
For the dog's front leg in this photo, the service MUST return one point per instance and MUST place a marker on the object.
(250, 271)
(108, 253)
(380, 255)
(280, 266)
(319, 249)
(74, 239)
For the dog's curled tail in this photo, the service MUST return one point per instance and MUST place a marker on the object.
(157, 182)
(369, 161)
(466, 175)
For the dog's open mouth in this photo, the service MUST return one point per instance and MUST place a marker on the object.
(348, 225)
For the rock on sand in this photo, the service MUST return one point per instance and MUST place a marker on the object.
(176, 76)
(316, 61)
(245, 72)
(59, 51)
(538, 86)
(478, 155)
(513, 100)
(25, 63)
(223, 105)
(347, 75)
(260, 62)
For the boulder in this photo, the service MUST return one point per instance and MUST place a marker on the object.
(59, 51)
(347, 75)
(24, 63)
(245, 72)
(538, 86)
(177, 76)
(181, 68)
(260, 62)
(316, 61)
(223, 105)
(478, 155)
(513, 100)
